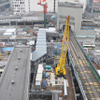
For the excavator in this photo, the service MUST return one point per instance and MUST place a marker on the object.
(60, 68)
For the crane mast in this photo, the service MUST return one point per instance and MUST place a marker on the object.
(60, 68)
(44, 4)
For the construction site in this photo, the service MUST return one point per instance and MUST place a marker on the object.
(50, 55)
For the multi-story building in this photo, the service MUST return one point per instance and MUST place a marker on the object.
(75, 10)
(19, 6)
(24, 6)
(89, 5)
(96, 6)
(93, 5)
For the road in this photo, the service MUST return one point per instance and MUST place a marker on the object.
(3, 4)
(14, 82)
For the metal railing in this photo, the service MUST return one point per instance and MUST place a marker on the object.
(78, 79)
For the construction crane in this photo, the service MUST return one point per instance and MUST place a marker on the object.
(44, 4)
(60, 68)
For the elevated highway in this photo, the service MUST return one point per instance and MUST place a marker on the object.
(88, 79)
(14, 82)
(4, 4)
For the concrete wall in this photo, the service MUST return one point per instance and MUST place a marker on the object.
(27, 5)
(34, 6)
(75, 14)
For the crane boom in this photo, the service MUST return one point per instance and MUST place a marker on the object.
(60, 68)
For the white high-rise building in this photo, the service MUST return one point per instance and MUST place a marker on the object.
(19, 6)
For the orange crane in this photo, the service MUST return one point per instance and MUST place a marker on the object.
(44, 4)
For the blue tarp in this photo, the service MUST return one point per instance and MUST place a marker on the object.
(7, 49)
(57, 46)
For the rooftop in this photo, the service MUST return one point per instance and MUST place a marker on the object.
(87, 33)
(70, 4)
(31, 16)
(14, 82)
(41, 47)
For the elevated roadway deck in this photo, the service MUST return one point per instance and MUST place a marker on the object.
(14, 82)
(88, 83)
(4, 4)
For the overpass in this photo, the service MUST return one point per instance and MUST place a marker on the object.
(14, 82)
(4, 6)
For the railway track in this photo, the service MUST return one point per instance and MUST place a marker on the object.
(89, 82)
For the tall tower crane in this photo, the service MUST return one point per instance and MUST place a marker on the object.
(60, 68)
(44, 4)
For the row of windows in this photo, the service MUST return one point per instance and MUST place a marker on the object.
(18, 5)
(21, 2)
(17, 2)
(18, 13)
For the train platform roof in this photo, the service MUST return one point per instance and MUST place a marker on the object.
(41, 47)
